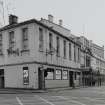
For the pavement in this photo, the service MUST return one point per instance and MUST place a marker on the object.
(25, 91)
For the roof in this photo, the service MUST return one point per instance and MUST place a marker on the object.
(38, 22)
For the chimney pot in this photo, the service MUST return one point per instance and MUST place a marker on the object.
(50, 18)
(60, 22)
(13, 19)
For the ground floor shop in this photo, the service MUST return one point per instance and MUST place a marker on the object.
(92, 78)
(40, 76)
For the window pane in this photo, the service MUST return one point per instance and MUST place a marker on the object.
(64, 49)
(40, 39)
(11, 39)
(70, 51)
(58, 74)
(25, 33)
(50, 75)
(58, 46)
(50, 41)
(25, 38)
(65, 74)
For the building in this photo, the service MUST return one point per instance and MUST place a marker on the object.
(36, 55)
(98, 61)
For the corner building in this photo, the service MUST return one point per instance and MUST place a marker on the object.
(34, 55)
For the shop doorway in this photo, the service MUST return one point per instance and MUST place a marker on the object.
(1, 78)
(41, 78)
(71, 81)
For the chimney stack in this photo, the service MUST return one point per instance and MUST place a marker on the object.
(50, 18)
(13, 19)
(60, 22)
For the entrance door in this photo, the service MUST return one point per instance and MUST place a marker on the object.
(41, 78)
(1, 78)
(71, 82)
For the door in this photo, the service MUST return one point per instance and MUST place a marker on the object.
(71, 82)
(1, 78)
(41, 78)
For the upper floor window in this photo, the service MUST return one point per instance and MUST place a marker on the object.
(78, 55)
(50, 41)
(70, 51)
(58, 46)
(41, 39)
(11, 40)
(64, 42)
(1, 45)
(74, 53)
(25, 38)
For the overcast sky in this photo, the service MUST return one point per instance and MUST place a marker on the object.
(80, 16)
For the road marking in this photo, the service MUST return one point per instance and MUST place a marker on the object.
(71, 100)
(19, 101)
(46, 100)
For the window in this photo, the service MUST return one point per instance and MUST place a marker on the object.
(41, 39)
(50, 41)
(50, 74)
(70, 51)
(78, 55)
(58, 74)
(58, 46)
(1, 46)
(25, 38)
(25, 76)
(64, 74)
(11, 40)
(74, 53)
(64, 49)
(75, 75)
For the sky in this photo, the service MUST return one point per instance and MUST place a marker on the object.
(82, 17)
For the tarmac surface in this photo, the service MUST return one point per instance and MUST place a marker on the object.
(58, 96)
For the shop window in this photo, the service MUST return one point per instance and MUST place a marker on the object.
(50, 74)
(58, 74)
(64, 74)
(25, 76)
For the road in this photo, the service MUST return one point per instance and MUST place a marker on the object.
(82, 96)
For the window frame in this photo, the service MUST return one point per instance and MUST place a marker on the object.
(41, 39)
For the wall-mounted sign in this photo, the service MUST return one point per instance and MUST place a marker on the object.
(25, 76)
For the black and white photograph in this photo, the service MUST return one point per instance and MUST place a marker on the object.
(52, 52)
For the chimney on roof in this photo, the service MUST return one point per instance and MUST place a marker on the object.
(50, 18)
(13, 19)
(60, 22)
